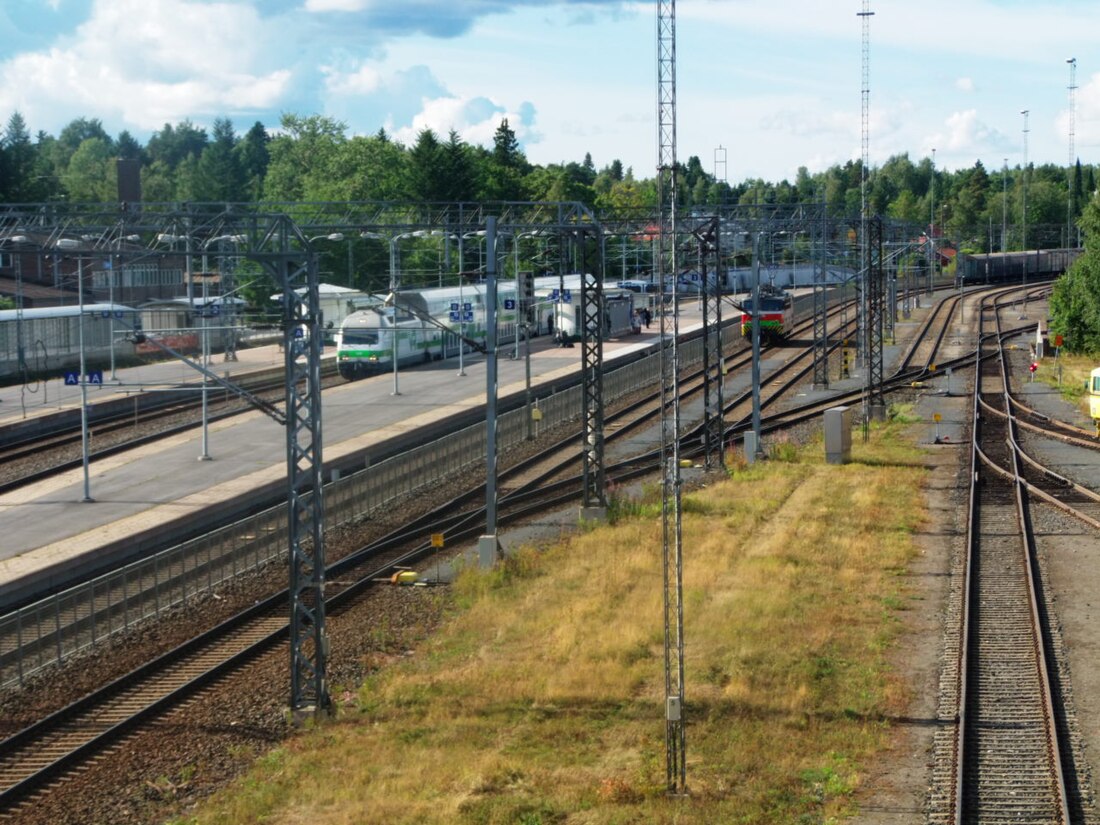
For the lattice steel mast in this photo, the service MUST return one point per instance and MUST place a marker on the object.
(1071, 205)
(871, 298)
(713, 425)
(670, 405)
(305, 481)
(821, 302)
(592, 305)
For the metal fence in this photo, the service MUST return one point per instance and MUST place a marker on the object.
(61, 626)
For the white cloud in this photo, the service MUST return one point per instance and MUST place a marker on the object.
(474, 119)
(146, 62)
(965, 138)
(336, 5)
(1087, 126)
(801, 121)
(363, 80)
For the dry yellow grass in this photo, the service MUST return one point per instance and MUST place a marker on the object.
(541, 701)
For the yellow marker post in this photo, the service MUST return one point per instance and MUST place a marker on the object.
(437, 539)
(937, 418)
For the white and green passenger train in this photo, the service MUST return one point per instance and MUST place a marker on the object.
(423, 325)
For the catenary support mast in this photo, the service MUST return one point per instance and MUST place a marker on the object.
(671, 512)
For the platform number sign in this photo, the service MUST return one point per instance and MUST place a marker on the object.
(453, 314)
(509, 303)
(72, 378)
(467, 312)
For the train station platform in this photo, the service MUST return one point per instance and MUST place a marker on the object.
(44, 397)
(48, 527)
(164, 487)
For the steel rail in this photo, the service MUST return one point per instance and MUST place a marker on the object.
(466, 524)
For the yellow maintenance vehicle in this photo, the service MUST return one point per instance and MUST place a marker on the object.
(1094, 398)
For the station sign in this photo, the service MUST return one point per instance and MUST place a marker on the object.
(509, 303)
(565, 296)
(72, 378)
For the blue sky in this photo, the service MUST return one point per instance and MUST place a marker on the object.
(776, 83)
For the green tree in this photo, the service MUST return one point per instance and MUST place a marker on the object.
(253, 157)
(503, 171)
(1075, 301)
(172, 144)
(19, 162)
(556, 183)
(127, 147)
(375, 169)
(219, 176)
(425, 169)
(506, 151)
(457, 166)
(628, 195)
(303, 161)
(46, 178)
(90, 176)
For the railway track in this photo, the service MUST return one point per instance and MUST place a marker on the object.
(73, 733)
(1010, 760)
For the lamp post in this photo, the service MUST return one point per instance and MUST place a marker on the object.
(71, 243)
(932, 226)
(1023, 220)
(395, 282)
(522, 310)
(111, 293)
(461, 326)
(17, 259)
(1072, 61)
(189, 278)
(205, 454)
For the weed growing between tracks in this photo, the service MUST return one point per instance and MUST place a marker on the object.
(541, 699)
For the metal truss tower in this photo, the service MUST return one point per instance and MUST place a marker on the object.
(302, 335)
(818, 235)
(713, 425)
(671, 504)
(876, 309)
(865, 145)
(866, 327)
(595, 493)
(1071, 206)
